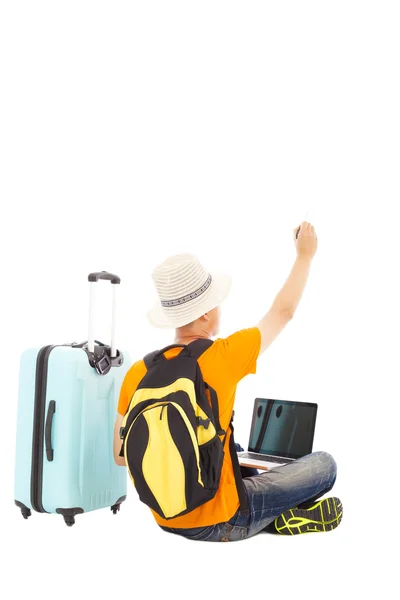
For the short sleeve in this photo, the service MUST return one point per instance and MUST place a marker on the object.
(124, 396)
(129, 385)
(241, 350)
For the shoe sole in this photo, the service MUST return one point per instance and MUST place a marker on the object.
(325, 515)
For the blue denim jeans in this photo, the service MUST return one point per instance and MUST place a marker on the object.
(269, 494)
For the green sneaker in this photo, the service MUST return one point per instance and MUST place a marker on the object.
(325, 515)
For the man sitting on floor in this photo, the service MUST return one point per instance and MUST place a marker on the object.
(285, 499)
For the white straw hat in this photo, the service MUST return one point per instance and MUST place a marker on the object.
(186, 291)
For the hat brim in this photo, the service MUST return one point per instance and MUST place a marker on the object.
(171, 318)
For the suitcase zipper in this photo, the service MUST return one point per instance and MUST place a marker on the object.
(38, 428)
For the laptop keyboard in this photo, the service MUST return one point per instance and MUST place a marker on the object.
(263, 457)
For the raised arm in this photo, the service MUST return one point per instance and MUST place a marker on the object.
(287, 300)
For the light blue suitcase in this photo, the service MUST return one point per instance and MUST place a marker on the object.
(68, 397)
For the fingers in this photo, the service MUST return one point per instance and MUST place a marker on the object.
(304, 229)
(305, 239)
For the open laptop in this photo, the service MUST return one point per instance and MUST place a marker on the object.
(281, 431)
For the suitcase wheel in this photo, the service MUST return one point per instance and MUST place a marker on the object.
(69, 514)
(69, 520)
(115, 508)
(25, 511)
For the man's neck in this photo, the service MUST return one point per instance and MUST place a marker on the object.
(186, 339)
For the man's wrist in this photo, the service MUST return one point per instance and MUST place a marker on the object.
(304, 259)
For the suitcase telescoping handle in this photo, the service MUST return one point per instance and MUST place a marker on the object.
(93, 279)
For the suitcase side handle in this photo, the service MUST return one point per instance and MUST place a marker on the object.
(49, 425)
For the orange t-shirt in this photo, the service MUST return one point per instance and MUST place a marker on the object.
(223, 365)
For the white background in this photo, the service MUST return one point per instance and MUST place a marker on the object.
(132, 131)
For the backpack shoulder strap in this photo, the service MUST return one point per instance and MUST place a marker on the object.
(241, 490)
(198, 347)
(148, 359)
(215, 408)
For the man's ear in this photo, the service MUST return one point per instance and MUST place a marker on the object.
(205, 317)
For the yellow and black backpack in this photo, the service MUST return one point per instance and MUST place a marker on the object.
(172, 438)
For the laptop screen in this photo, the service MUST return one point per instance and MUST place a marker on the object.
(282, 427)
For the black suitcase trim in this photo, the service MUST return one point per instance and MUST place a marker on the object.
(38, 428)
